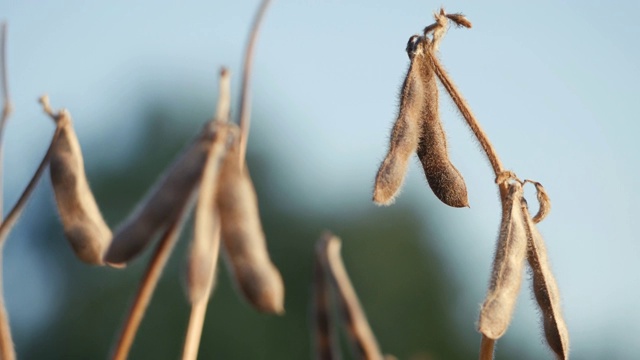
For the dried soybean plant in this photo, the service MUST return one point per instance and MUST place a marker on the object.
(418, 129)
(331, 274)
(211, 171)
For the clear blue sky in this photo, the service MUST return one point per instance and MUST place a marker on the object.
(554, 85)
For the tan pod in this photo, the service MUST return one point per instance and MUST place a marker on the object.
(83, 224)
(508, 265)
(243, 239)
(164, 203)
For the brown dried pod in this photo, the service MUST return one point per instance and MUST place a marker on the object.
(445, 180)
(418, 128)
(83, 224)
(546, 290)
(543, 201)
(508, 265)
(405, 134)
(243, 239)
(203, 255)
(164, 203)
(361, 338)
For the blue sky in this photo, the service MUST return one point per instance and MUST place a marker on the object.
(553, 84)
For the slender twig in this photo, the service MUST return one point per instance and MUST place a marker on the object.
(7, 350)
(194, 331)
(147, 287)
(486, 348)
(465, 110)
(245, 98)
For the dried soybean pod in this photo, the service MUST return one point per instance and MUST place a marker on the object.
(203, 255)
(326, 344)
(361, 338)
(445, 180)
(543, 201)
(405, 134)
(82, 222)
(508, 264)
(546, 290)
(243, 239)
(164, 203)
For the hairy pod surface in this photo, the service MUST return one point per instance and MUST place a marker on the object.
(243, 239)
(83, 224)
(545, 290)
(418, 129)
(445, 180)
(508, 265)
(404, 136)
(361, 338)
(164, 203)
(203, 255)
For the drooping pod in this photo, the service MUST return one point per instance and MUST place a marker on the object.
(243, 239)
(546, 289)
(418, 129)
(543, 201)
(405, 134)
(508, 265)
(164, 203)
(83, 224)
(445, 180)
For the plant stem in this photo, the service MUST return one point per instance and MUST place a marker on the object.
(245, 98)
(194, 331)
(7, 349)
(486, 348)
(147, 287)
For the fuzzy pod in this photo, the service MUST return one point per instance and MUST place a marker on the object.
(164, 202)
(545, 290)
(508, 265)
(83, 225)
(445, 180)
(203, 255)
(405, 134)
(243, 239)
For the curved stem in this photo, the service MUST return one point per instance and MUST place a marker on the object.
(245, 99)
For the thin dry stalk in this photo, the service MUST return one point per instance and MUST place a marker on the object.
(205, 247)
(15, 212)
(147, 287)
(508, 265)
(546, 290)
(487, 348)
(363, 342)
(326, 344)
(194, 330)
(244, 116)
(7, 350)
